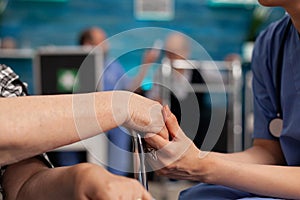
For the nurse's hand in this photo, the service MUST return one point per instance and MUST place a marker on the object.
(175, 158)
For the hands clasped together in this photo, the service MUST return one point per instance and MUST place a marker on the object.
(29, 178)
(175, 152)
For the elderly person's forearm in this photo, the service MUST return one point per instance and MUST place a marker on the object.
(36, 124)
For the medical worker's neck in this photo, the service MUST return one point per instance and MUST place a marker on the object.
(294, 12)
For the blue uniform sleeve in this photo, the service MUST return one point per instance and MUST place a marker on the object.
(263, 108)
(264, 66)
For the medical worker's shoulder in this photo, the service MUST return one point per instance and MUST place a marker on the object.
(268, 43)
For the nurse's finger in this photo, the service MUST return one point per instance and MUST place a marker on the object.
(171, 122)
(155, 141)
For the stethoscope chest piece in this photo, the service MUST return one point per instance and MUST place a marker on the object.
(275, 127)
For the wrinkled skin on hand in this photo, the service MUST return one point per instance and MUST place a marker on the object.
(144, 115)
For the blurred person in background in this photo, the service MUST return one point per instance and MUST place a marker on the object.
(176, 48)
(181, 73)
(114, 75)
(8, 43)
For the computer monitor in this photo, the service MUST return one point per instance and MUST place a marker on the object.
(66, 70)
(21, 62)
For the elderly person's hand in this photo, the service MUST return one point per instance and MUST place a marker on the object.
(95, 183)
(31, 179)
(139, 113)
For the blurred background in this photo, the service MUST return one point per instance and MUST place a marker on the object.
(226, 29)
(221, 28)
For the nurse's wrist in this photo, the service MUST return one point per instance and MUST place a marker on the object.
(207, 163)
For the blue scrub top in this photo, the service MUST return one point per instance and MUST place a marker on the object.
(264, 65)
(114, 76)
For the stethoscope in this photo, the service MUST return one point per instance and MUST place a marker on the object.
(276, 124)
